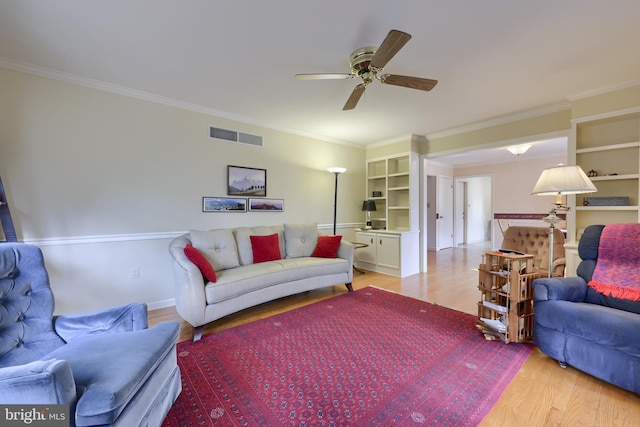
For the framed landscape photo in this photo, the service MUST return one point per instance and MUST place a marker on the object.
(250, 182)
(266, 205)
(224, 204)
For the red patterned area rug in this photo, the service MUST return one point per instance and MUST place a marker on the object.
(364, 358)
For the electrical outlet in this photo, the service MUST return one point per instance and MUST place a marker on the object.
(135, 273)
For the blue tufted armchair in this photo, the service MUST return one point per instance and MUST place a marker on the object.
(108, 366)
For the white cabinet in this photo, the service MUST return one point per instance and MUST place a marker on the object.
(366, 255)
(388, 252)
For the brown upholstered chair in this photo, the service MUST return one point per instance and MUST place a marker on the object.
(535, 241)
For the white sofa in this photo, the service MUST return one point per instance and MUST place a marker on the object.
(241, 283)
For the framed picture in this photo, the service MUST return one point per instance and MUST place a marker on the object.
(266, 205)
(224, 204)
(250, 182)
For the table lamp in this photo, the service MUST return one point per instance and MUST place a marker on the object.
(559, 181)
(369, 206)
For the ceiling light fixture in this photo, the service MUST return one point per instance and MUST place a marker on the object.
(516, 150)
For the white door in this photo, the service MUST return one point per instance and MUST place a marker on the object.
(460, 222)
(445, 212)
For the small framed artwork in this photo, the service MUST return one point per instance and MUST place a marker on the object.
(266, 205)
(224, 204)
(250, 182)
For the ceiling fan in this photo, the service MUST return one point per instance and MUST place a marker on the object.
(368, 62)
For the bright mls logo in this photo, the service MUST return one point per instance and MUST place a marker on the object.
(34, 415)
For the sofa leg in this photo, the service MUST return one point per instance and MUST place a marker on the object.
(349, 287)
(197, 332)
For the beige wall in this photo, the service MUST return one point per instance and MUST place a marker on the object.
(103, 181)
(530, 127)
(398, 147)
(606, 102)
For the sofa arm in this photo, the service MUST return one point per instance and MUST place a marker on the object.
(346, 251)
(572, 289)
(123, 318)
(191, 301)
(39, 382)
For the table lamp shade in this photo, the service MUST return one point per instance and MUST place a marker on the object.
(369, 205)
(562, 180)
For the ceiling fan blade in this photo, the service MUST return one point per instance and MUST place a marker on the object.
(407, 81)
(389, 47)
(324, 76)
(354, 97)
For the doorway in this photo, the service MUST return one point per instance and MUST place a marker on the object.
(440, 212)
(473, 209)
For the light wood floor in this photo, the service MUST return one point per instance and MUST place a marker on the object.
(541, 394)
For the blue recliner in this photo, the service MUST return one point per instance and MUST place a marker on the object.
(108, 366)
(592, 331)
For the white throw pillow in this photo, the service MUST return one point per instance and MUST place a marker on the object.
(300, 239)
(218, 246)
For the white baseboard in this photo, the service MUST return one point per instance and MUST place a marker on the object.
(156, 305)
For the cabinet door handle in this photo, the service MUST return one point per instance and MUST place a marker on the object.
(372, 240)
(380, 242)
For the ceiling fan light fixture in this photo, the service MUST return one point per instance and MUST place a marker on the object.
(517, 150)
(367, 63)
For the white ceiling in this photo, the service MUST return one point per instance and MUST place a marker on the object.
(554, 147)
(237, 58)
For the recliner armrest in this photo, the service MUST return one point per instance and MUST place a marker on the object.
(559, 288)
(123, 318)
(39, 382)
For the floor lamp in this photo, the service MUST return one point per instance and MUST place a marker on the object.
(559, 181)
(336, 172)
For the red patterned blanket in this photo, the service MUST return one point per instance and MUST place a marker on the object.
(617, 271)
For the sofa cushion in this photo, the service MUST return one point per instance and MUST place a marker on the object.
(218, 246)
(239, 281)
(609, 327)
(196, 257)
(108, 377)
(265, 248)
(7, 264)
(327, 247)
(589, 242)
(300, 239)
(243, 240)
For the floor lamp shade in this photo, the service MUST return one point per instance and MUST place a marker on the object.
(336, 171)
(559, 181)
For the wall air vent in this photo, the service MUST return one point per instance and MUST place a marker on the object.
(235, 136)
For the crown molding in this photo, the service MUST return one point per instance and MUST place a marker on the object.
(155, 98)
(528, 114)
(401, 138)
(604, 90)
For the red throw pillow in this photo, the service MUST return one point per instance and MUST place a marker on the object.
(327, 247)
(196, 257)
(265, 248)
